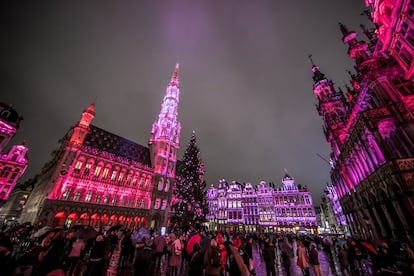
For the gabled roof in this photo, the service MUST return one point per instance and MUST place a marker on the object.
(109, 142)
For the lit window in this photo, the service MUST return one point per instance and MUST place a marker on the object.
(115, 200)
(134, 181)
(157, 203)
(88, 197)
(160, 184)
(87, 169)
(105, 173)
(113, 176)
(77, 195)
(106, 200)
(128, 179)
(97, 171)
(167, 186)
(66, 194)
(78, 166)
(98, 198)
(121, 175)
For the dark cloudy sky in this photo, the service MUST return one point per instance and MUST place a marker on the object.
(246, 82)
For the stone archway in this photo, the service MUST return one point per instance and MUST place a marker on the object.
(59, 219)
(71, 219)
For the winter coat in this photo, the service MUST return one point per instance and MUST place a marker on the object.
(144, 262)
(174, 259)
(313, 257)
(269, 255)
(302, 258)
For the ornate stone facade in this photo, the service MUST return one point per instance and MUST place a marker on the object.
(372, 140)
(241, 207)
(14, 162)
(98, 178)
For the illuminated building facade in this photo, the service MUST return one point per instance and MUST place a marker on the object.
(287, 208)
(14, 162)
(99, 178)
(371, 130)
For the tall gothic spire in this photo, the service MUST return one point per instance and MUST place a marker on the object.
(165, 134)
(175, 80)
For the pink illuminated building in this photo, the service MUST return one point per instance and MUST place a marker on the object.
(241, 207)
(13, 163)
(99, 178)
(370, 127)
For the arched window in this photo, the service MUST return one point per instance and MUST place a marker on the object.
(160, 184)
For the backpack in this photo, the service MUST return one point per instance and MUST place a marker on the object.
(215, 259)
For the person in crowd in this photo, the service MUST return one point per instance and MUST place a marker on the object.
(195, 261)
(343, 259)
(237, 264)
(145, 259)
(174, 251)
(193, 238)
(409, 255)
(74, 256)
(6, 250)
(223, 255)
(52, 258)
(248, 248)
(303, 258)
(160, 248)
(287, 254)
(96, 258)
(212, 260)
(269, 257)
(237, 242)
(314, 259)
(127, 249)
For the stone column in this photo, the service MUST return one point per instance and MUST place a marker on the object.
(407, 228)
(377, 218)
(389, 219)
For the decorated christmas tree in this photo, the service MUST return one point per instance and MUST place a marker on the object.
(189, 206)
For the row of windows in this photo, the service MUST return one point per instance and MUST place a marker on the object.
(6, 171)
(115, 175)
(101, 198)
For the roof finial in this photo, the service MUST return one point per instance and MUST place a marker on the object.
(343, 28)
(311, 60)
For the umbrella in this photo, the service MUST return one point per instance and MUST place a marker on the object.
(86, 233)
(370, 247)
(115, 227)
(42, 231)
(76, 227)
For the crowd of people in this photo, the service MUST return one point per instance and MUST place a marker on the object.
(81, 250)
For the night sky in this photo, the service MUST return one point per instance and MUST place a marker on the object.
(245, 77)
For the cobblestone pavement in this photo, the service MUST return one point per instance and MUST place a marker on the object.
(328, 268)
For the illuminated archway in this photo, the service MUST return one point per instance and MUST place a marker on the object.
(113, 220)
(84, 219)
(59, 219)
(71, 219)
(136, 222)
(94, 220)
(122, 220)
(104, 219)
